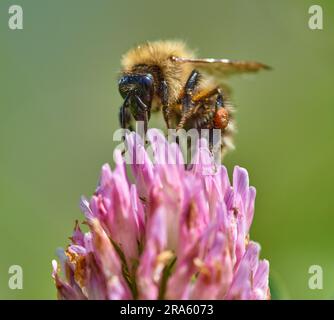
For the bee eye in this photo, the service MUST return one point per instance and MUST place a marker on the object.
(139, 84)
(124, 86)
(146, 82)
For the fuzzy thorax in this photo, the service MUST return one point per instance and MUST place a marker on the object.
(159, 54)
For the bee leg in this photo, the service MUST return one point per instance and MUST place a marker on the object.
(203, 95)
(219, 104)
(125, 115)
(220, 118)
(144, 113)
(188, 105)
(186, 116)
(219, 100)
(191, 84)
(164, 101)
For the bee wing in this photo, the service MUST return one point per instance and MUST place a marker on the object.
(223, 67)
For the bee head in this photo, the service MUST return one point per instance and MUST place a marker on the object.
(140, 85)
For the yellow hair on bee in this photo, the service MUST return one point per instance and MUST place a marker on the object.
(159, 54)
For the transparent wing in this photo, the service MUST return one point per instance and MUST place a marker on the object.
(223, 67)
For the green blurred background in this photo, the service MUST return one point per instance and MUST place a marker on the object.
(59, 105)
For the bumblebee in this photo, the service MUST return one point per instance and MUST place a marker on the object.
(165, 76)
